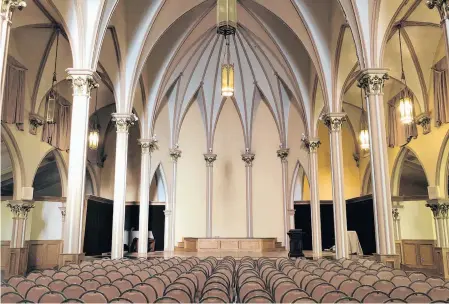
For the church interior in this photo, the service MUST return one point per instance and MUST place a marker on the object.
(246, 151)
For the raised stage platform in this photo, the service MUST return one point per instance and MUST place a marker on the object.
(229, 244)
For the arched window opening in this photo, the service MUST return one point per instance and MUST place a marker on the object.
(157, 187)
(88, 184)
(412, 180)
(7, 172)
(47, 181)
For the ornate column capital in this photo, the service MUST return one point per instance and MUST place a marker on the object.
(175, 154)
(282, 153)
(123, 121)
(210, 158)
(438, 207)
(35, 122)
(423, 120)
(248, 158)
(444, 210)
(334, 121)
(83, 81)
(20, 209)
(167, 212)
(395, 212)
(63, 212)
(372, 81)
(311, 144)
(291, 211)
(8, 6)
(148, 146)
(442, 7)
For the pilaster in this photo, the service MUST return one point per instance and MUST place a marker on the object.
(282, 153)
(248, 158)
(175, 154)
(210, 158)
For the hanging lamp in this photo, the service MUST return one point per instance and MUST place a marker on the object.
(226, 26)
(364, 133)
(406, 101)
(53, 94)
(227, 74)
(94, 134)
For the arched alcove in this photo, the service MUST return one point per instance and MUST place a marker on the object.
(412, 177)
(89, 188)
(47, 180)
(7, 171)
(157, 187)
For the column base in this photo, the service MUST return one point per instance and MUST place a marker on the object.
(18, 262)
(391, 260)
(442, 261)
(70, 258)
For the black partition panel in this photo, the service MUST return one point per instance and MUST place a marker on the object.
(131, 218)
(303, 221)
(156, 224)
(360, 214)
(327, 226)
(98, 231)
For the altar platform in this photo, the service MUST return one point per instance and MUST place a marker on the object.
(190, 244)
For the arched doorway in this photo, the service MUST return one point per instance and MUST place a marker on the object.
(412, 177)
(158, 199)
(47, 180)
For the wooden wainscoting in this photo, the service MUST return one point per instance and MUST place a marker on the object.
(398, 246)
(43, 254)
(5, 255)
(418, 254)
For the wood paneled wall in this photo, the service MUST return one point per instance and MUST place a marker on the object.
(43, 254)
(418, 254)
(5, 255)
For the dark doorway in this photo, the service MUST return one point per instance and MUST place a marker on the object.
(98, 232)
(156, 224)
(303, 221)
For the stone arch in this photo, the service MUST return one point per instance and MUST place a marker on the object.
(53, 167)
(18, 169)
(158, 176)
(298, 172)
(442, 170)
(367, 186)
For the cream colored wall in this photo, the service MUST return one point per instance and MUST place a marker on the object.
(229, 204)
(191, 179)
(46, 221)
(267, 177)
(6, 228)
(416, 221)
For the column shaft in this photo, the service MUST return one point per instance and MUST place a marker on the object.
(282, 153)
(210, 158)
(315, 203)
(248, 158)
(123, 121)
(144, 206)
(175, 154)
(372, 81)
(5, 29)
(82, 82)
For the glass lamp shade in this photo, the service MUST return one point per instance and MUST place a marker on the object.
(226, 17)
(94, 138)
(227, 80)
(51, 106)
(406, 110)
(364, 139)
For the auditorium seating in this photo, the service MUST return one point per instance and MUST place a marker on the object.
(210, 280)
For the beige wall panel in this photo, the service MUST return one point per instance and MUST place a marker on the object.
(6, 224)
(267, 177)
(324, 164)
(191, 180)
(417, 221)
(229, 204)
(46, 221)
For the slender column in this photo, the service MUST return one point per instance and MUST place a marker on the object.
(210, 158)
(175, 154)
(122, 122)
(312, 146)
(83, 81)
(63, 213)
(18, 255)
(7, 9)
(372, 81)
(248, 158)
(444, 224)
(396, 224)
(443, 9)
(334, 121)
(282, 153)
(147, 146)
(167, 228)
(439, 209)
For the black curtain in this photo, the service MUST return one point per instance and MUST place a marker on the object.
(303, 221)
(98, 232)
(327, 225)
(156, 224)
(360, 214)
(131, 218)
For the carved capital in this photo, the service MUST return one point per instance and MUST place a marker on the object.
(424, 121)
(167, 212)
(356, 157)
(291, 211)
(372, 81)
(442, 7)
(444, 210)
(175, 154)
(283, 154)
(248, 158)
(210, 158)
(334, 121)
(20, 209)
(437, 209)
(8, 6)
(395, 212)
(311, 144)
(35, 122)
(83, 81)
(63, 212)
(148, 145)
(123, 121)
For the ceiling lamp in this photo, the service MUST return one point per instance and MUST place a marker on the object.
(406, 101)
(226, 17)
(53, 94)
(364, 133)
(227, 75)
(94, 134)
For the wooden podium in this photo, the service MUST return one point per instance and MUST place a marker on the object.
(229, 244)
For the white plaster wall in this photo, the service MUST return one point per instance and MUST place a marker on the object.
(417, 221)
(191, 179)
(267, 177)
(229, 204)
(6, 224)
(46, 221)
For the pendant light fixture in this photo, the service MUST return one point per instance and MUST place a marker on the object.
(53, 94)
(364, 133)
(94, 134)
(406, 101)
(226, 26)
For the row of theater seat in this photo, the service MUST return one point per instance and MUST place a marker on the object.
(210, 280)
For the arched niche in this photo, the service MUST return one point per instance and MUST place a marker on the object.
(10, 149)
(158, 188)
(7, 171)
(409, 177)
(47, 180)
